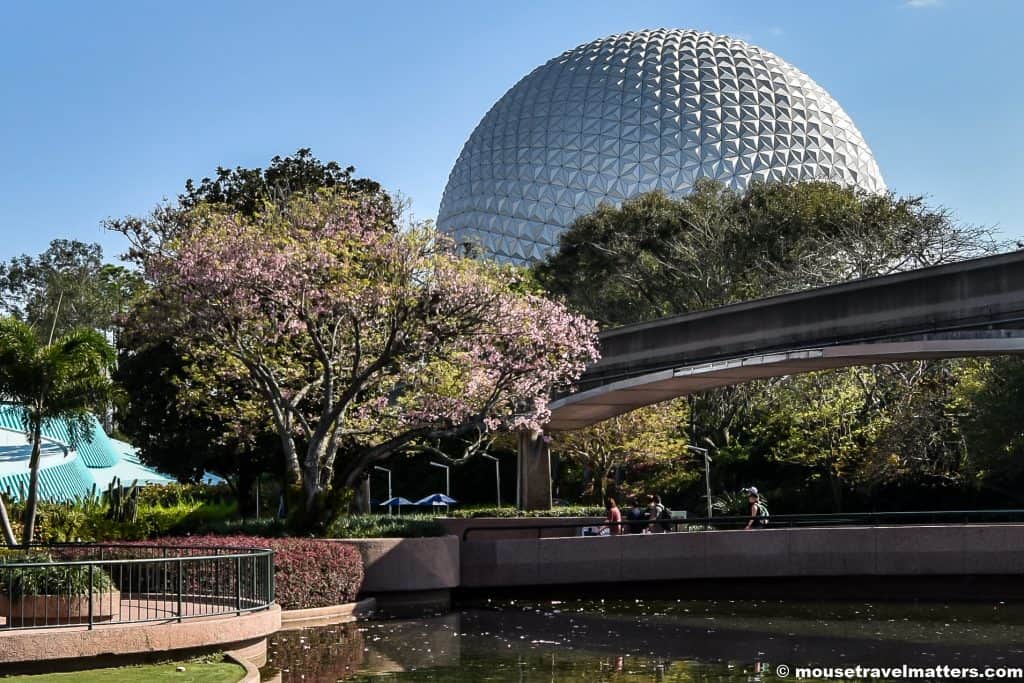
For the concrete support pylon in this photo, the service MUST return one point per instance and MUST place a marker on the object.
(533, 472)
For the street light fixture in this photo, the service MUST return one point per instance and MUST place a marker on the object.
(447, 480)
(447, 477)
(385, 469)
(707, 472)
(497, 475)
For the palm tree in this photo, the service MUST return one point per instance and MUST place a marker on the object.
(62, 380)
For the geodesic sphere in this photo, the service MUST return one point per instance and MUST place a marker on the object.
(636, 112)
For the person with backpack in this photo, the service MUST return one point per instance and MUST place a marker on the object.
(664, 517)
(636, 517)
(758, 509)
(656, 515)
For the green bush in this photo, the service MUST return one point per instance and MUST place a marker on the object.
(87, 520)
(266, 527)
(560, 511)
(384, 526)
(172, 495)
(67, 580)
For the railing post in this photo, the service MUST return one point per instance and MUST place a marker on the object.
(238, 584)
(180, 588)
(252, 558)
(91, 567)
(269, 568)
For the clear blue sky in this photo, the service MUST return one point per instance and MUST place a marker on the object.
(108, 107)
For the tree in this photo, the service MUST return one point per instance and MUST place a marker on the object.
(360, 339)
(183, 427)
(67, 287)
(185, 414)
(247, 190)
(991, 397)
(655, 256)
(64, 380)
(647, 436)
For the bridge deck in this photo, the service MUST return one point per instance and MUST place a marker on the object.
(974, 307)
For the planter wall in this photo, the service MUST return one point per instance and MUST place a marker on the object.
(33, 610)
(408, 564)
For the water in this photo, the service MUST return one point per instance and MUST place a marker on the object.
(629, 641)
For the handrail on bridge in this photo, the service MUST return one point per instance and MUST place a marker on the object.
(780, 521)
(62, 585)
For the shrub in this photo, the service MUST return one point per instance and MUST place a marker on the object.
(307, 572)
(510, 511)
(66, 580)
(88, 519)
(171, 495)
(268, 527)
(384, 526)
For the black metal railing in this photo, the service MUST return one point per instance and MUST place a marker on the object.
(775, 521)
(90, 585)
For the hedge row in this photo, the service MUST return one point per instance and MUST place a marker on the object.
(308, 572)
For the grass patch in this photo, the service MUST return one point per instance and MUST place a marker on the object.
(206, 670)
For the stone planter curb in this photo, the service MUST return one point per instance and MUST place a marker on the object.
(252, 674)
(332, 614)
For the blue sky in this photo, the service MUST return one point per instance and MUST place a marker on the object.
(108, 107)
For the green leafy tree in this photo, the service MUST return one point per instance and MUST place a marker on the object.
(67, 287)
(647, 436)
(655, 256)
(991, 398)
(64, 380)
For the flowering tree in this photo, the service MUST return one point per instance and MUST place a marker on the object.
(361, 339)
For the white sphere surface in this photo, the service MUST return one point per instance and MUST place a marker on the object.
(636, 112)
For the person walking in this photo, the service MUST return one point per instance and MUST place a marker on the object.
(654, 514)
(636, 516)
(614, 517)
(758, 510)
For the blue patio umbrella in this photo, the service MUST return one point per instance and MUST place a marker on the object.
(397, 501)
(436, 499)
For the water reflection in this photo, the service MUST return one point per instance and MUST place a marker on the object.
(630, 641)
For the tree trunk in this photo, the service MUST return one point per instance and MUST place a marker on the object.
(33, 485)
(5, 523)
(835, 486)
(246, 479)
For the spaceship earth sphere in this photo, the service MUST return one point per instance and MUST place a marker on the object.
(636, 112)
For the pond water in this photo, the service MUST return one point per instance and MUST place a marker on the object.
(628, 641)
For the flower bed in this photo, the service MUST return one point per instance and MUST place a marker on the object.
(307, 572)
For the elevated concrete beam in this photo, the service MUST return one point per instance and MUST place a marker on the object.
(606, 401)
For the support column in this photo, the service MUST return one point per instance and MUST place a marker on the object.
(533, 472)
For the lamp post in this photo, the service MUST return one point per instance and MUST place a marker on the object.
(447, 479)
(497, 475)
(385, 469)
(707, 474)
